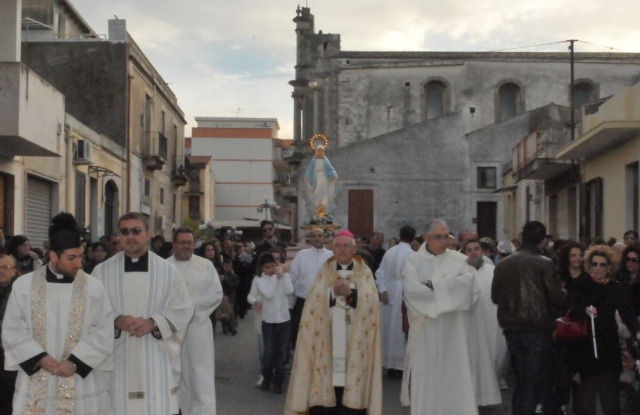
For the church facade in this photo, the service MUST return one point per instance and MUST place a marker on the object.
(417, 135)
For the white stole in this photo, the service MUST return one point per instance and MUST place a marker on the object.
(341, 316)
(168, 303)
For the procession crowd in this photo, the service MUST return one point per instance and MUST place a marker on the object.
(126, 324)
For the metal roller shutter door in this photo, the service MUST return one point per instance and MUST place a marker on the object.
(39, 194)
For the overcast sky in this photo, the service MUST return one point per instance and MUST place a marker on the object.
(221, 42)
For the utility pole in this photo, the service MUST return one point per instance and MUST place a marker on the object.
(573, 115)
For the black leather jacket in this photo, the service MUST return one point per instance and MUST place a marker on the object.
(526, 287)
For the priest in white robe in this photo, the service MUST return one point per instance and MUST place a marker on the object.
(389, 282)
(197, 394)
(152, 309)
(439, 296)
(488, 345)
(337, 364)
(56, 333)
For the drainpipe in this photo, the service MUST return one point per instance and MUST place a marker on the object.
(70, 191)
(127, 185)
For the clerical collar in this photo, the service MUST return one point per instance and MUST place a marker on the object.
(57, 278)
(345, 267)
(429, 251)
(137, 264)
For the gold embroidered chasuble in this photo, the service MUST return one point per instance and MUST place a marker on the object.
(311, 381)
(60, 319)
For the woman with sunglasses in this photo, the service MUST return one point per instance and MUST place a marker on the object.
(628, 273)
(600, 296)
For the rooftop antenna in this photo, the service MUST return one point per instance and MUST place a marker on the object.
(238, 112)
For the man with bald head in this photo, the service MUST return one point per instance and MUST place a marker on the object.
(439, 292)
(337, 367)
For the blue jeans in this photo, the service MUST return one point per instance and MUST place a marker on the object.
(531, 359)
(261, 351)
(276, 349)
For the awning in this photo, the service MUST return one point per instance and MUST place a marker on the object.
(506, 189)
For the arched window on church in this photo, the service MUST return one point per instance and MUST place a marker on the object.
(509, 100)
(584, 91)
(435, 92)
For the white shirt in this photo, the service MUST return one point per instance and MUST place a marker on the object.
(304, 268)
(274, 290)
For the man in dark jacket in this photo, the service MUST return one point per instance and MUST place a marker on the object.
(269, 241)
(525, 288)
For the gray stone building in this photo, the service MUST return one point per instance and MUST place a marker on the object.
(417, 135)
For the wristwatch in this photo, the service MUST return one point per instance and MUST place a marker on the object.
(156, 330)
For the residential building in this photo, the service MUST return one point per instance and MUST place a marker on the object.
(199, 194)
(608, 149)
(33, 146)
(242, 157)
(111, 88)
(284, 183)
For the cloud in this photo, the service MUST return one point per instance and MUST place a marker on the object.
(221, 39)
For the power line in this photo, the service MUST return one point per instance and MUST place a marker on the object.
(228, 79)
(600, 46)
(530, 46)
(555, 43)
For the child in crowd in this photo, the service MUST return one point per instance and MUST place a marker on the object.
(256, 301)
(273, 287)
(229, 281)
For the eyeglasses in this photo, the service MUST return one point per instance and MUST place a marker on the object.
(599, 264)
(439, 238)
(136, 231)
(631, 259)
(267, 230)
(6, 267)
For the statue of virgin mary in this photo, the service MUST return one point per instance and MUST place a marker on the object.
(321, 179)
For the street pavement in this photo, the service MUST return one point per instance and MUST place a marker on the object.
(237, 370)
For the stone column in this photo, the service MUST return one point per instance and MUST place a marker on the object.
(316, 110)
(297, 117)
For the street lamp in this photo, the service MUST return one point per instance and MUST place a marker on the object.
(266, 206)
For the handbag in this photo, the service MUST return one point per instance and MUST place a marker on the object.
(571, 328)
(224, 310)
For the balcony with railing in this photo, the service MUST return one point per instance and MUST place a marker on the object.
(534, 158)
(285, 185)
(610, 124)
(178, 171)
(154, 150)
